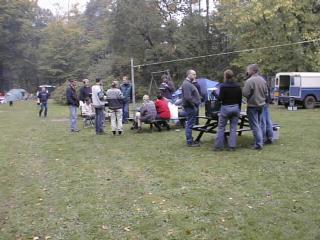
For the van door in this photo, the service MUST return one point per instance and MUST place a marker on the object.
(295, 87)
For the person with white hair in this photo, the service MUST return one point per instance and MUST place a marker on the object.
(256, 92)
(147, 112)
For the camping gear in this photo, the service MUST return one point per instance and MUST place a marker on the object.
(206, 87)
(16, 95)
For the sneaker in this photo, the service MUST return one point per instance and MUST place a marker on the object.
(256, 148)
(114, 132)
(75, 130)
(193, 144)
(269, 141)
(100, 133)
(119, 132)
(231, 149)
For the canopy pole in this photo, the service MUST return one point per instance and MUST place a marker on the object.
(133, 85)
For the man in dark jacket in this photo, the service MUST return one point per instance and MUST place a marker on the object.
(167, 87)
(126, 90)
(73, 103)
(85, 91)
(43, 96)
(190, 102)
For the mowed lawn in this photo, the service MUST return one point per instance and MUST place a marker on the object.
(58, 185)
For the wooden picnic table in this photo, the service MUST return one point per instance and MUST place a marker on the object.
(211, 125)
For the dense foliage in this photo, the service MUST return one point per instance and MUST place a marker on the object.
(37, 47)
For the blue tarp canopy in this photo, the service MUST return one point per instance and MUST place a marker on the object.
(16, 95)
(206, 86)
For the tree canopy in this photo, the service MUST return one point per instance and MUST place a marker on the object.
(38, 47)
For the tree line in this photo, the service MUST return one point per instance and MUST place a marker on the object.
(39, 47)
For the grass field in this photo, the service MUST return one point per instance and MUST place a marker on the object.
(58, 185)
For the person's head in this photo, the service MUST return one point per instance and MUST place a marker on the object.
(252, 69)
(228, 76)
(99, 81)
(191, 74)
(114, 84)
(73, 83)
(43, 89)
(146, 98)
(159, 95)
(125, 80)
(87, 100)
(165, 78)
(86, 82)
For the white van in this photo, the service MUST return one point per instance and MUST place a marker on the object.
(302, 87)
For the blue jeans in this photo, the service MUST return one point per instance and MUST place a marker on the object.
(191, 119)
(125, 111)
(255, 116)
(99, 120)
(232, 113)
(266, 124)
(43, 106)
(73, 117)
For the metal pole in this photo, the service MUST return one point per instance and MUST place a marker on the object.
(133, 86)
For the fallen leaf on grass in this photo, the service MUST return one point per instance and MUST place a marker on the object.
(47, 237)
(127, 229)
(36, 238)
(188, 232)
(250, 207)
(104, 227)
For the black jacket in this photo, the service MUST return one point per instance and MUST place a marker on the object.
(230, 94)
(72, 98)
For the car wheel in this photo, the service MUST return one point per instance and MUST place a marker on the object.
(309, 102)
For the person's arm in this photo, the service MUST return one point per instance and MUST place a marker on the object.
(187, 94)
(247, 90)
(69, 97)
(170, 86)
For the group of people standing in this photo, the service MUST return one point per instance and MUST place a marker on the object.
(230, 94)
(117, 98)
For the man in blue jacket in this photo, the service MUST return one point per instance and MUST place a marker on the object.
(126, 90)
(43, 96)
(73, 103)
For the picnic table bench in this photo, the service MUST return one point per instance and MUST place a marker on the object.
(159, 122)
(211, 125)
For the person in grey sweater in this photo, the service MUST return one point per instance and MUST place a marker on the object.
(190, 102)
(255, 90)
(147, 112)
(115, 102)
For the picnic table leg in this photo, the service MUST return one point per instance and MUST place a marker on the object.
(241, 125)
(201, 132)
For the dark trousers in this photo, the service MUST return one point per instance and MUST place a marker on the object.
(43, 106)
(191, 119)
(99, 120)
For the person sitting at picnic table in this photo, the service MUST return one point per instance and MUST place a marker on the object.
(230, 95)
(163, 111)
(88, 109)
(147, 112)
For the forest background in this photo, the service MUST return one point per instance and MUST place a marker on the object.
(39, 47)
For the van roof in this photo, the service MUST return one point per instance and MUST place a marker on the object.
(303, 74)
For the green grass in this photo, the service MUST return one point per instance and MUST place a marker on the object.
(151, 186)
